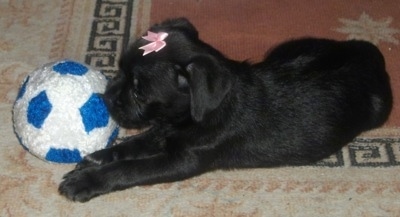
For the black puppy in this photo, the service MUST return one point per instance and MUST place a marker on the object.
(306, 100)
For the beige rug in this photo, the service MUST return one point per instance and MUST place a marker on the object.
(361, 180)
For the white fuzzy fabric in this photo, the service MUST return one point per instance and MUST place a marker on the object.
(63, 127)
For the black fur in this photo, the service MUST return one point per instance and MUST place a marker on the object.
(305, 101)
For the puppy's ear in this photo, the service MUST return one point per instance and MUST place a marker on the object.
(182, 24)
(209, 84)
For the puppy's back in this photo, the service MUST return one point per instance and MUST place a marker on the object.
(353, 70)
(324, 93)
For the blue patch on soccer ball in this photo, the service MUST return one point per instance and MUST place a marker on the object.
(38, 109)
(63, 155)
(70, 67)
(22, 89)
(94, 113)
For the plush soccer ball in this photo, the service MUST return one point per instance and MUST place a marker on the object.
(59, 115)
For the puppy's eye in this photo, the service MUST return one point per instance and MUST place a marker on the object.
(177, 67)
(182, 82)
(137, 96)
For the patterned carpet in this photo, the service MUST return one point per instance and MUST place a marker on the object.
(363, 179)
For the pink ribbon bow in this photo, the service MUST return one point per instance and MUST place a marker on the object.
(157, 42)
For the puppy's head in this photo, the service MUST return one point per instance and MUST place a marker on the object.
(184, 81)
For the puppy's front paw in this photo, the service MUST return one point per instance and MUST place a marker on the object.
(81, 185)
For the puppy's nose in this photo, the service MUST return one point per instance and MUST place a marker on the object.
(104, 98)
(112, 102)
(107, 101)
